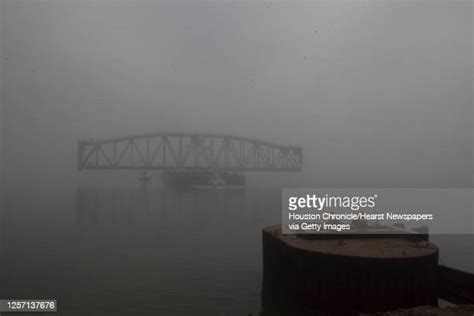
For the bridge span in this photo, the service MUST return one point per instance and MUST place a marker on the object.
(182, 151)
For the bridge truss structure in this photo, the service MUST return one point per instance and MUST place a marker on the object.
(181, 151)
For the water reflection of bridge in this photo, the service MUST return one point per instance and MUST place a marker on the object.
(171, 151)
(145, 207)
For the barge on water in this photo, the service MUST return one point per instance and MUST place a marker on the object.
(186, 179)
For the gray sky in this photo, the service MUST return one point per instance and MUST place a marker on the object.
(377, 92)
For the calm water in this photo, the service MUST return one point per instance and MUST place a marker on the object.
(146, 251)
(132, 251)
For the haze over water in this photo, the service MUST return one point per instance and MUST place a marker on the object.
(378, 94)
(134, 250)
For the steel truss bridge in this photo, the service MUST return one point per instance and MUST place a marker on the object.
(180, 151)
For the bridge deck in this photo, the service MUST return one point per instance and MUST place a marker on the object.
(165, 151)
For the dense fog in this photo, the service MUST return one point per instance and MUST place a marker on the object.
(376, 92)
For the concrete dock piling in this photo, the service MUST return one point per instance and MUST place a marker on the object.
(350, 273)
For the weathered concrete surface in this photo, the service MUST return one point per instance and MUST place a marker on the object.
(349, 274)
